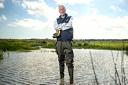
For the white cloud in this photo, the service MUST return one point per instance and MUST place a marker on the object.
(101, 27)
(29, 23)
(116, 8)
(37, 26)
(40, 8)
(1, 3)
(3, 18)
(72, 2)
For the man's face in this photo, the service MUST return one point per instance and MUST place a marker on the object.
(62, 10)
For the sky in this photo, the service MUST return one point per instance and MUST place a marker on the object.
(92, 19)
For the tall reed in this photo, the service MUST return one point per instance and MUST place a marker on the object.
(1, 54)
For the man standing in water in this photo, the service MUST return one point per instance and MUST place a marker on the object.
(64, 35)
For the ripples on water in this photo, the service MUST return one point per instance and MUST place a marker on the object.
(41, 67)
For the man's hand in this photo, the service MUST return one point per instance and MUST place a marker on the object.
(57, 34)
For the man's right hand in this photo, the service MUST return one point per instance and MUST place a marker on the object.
(57, 34)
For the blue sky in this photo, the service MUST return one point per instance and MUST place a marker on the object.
(92, 19)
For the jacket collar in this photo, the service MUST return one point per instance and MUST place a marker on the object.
(65, 15)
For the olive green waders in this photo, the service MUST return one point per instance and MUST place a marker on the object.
(65, 55)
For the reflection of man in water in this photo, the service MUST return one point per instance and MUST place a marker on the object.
(6, 51)
(64, 45)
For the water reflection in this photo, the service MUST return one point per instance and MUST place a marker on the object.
(41, 67)
(126, 52)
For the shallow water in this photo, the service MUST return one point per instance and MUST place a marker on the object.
(41, 67)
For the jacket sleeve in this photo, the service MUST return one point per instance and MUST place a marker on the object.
(56, 24)
(67, 25)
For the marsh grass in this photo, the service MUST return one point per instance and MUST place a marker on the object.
(100, 44)
(24, 44)
(33, 44)
(1, 54)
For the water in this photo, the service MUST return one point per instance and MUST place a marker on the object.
(40, 67)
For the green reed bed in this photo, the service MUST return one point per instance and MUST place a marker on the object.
(33, 44)
(1, 54)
